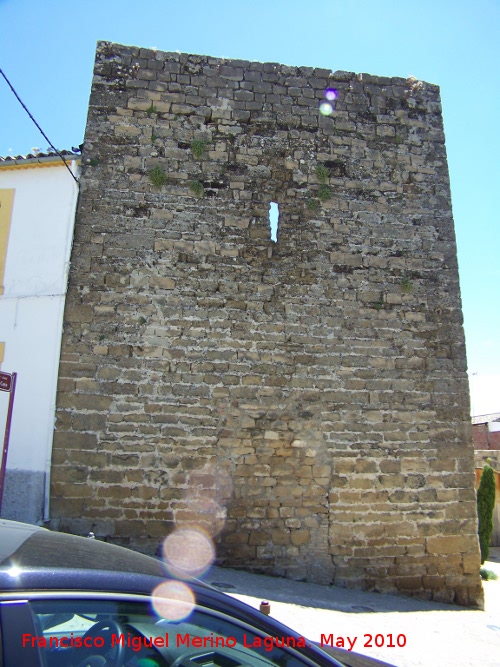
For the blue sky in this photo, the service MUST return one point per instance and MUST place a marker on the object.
(47, 51)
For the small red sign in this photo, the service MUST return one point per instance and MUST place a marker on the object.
(5, 381)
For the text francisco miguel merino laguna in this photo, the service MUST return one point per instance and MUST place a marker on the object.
(136, 643)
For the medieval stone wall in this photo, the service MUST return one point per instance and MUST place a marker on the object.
(304, 400)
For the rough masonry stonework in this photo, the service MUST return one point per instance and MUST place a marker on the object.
(305, 401)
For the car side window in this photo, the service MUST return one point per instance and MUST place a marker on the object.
(70, 633)
(128, 633)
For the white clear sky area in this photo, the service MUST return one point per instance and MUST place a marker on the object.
(47, 50)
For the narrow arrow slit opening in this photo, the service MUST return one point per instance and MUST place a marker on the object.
(274, 216)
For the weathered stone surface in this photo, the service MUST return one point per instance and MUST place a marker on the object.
(303, 401)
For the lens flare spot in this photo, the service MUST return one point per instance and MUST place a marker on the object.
(326, 108)
(173, 600)
(202, 514)
(188, 553)
(331, 94)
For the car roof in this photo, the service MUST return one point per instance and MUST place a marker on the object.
(33, 558)
(33, 547)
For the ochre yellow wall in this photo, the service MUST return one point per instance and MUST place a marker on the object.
(6, 202)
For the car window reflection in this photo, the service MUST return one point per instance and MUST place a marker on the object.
(124, 633)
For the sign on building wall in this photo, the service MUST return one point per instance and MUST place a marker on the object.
(5, 381)
(7, 384)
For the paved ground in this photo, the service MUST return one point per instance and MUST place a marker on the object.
(436, 634)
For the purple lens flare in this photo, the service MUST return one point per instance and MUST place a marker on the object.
(331, 94)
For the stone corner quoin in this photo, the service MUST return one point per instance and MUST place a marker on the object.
(306, 400)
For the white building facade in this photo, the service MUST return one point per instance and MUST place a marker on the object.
(38, 198)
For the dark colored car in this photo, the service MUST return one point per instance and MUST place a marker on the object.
(68, 601)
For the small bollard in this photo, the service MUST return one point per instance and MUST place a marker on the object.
(265, 607)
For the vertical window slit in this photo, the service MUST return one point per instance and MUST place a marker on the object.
(274, 215)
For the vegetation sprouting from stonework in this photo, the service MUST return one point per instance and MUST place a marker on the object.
(406, 286)
(197, 189)
(322, 173)
(313, 205)
(324, 192)
(198, 148)
(157, 176)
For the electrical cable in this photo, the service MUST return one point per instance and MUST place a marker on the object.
(38, 126)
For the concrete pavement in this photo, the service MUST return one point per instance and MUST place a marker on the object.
(435, 634)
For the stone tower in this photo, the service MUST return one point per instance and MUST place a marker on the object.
(305, 399)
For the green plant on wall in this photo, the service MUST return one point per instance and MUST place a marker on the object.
(151, 109)
(157, 176)
(378, 305)
(197, 189)
(406, 286)
(313, 205)
(485, 506)
(198, 147)
(324, 192)
(322, 173)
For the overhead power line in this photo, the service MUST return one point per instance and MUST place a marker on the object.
(51, 145)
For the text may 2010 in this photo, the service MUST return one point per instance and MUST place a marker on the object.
(370, 641)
